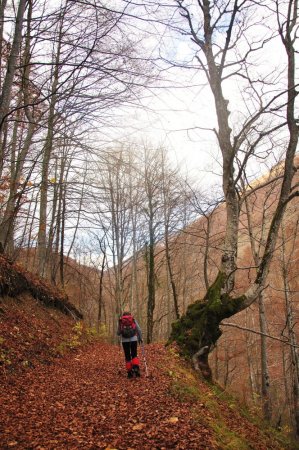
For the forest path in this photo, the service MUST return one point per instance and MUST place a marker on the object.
(85, 401)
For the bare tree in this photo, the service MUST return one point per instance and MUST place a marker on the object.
(257, 234)
(287, 256)
(6, 93)
(173, 195)
(150, 165)
(198, 331)
(75, 61)
(20, 142)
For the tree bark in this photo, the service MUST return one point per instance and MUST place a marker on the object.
(10, 73)
(198, 330)
(290, 320)
(151, 300)
(171, 277)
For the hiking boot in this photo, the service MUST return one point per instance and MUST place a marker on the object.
(136, 371)
(130, 374)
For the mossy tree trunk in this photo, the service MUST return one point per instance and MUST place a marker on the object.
(198, 330)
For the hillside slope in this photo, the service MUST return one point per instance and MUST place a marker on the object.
(37, 321)
(31, 333)
(15, 280)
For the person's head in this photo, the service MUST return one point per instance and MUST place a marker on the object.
(126, 313)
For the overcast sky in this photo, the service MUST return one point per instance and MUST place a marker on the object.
(175, 112)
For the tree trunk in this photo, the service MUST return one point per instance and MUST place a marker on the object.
(47, 152)
(291, 332)
(18, 156)
(51, 255)
(101, 286)
(256, 249)
(63, 212)
(151, 300)
(171, 277)
(266, 398)
(10, 73)
(198, 330)
(2, 10)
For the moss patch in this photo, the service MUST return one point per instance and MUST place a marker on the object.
(199, 327)
(232, 426)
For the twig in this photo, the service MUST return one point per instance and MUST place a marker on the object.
(228, 324)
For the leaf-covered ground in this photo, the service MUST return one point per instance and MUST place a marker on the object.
(85, 401)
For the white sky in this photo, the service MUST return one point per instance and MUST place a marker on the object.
(173, 117)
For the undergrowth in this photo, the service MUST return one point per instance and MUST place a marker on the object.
(81, 335)
(234, 427)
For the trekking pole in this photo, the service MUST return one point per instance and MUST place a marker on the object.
(120, 352)
(144, 359)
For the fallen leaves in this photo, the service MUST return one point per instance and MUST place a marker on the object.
(138, 427)
(173, 420)
(85, 401)
(90, 405)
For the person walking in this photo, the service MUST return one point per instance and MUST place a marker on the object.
(131, 335)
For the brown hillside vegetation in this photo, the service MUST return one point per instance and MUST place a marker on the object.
(57, 394)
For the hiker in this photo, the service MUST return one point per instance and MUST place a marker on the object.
(130, 334)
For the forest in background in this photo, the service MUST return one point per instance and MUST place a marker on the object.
(115, 222)
(183, 264)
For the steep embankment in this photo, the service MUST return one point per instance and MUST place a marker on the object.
(31, 333)
(15, 280)
(37, 322)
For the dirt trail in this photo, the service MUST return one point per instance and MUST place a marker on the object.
(84, 401)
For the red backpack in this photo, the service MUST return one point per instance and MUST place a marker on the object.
(127, 326)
